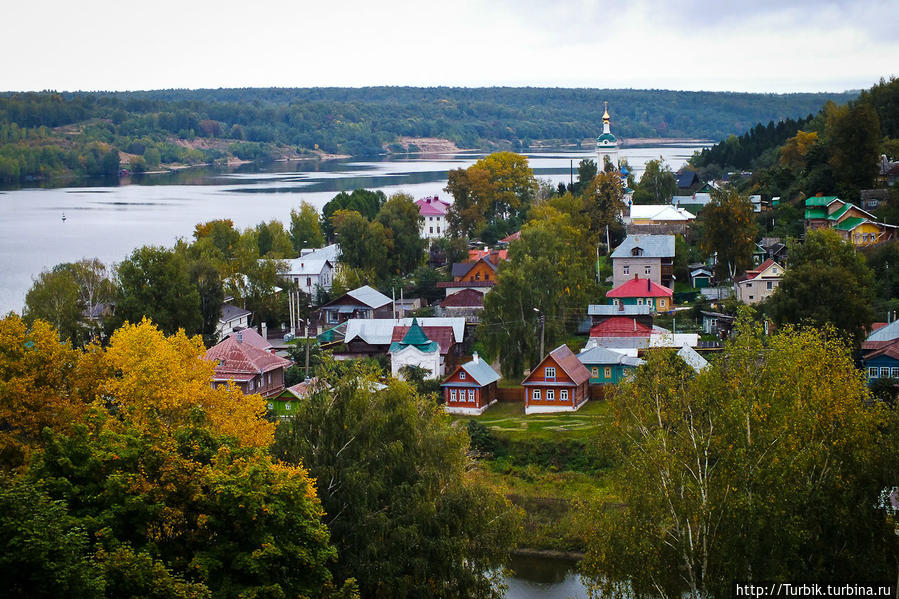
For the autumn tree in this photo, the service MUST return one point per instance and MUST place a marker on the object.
(548, 274)
(219, 236)
(305, 231)
(728, 230)
(55, 297)
(763, 465)
(827, 282)
(793, 152)
(657, 184)
(405, 520)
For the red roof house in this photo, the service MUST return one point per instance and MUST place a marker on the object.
(252, 369)
(621, 326)
(642, 292)
(560, 383)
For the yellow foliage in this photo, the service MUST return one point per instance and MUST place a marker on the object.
(158, 378)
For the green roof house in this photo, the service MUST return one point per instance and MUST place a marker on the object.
(415, 349)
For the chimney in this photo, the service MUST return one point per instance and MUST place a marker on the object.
(648, 285)
(240, 336)
(474, 357)
(264, 330)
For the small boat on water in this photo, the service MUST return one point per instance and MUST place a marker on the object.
(63, 217)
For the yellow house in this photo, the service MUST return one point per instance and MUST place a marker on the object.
(862, 232)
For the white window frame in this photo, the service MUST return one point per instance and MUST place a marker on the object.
(471, 396)
(550, 395)
(461, 375)
(549, 372)
(563, 395)
(647, 270)
(452, 395)
(626, 269)
(535, 394)
(884, 372)
(287, 406)
(894, 372)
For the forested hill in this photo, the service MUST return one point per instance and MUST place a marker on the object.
(47, 134)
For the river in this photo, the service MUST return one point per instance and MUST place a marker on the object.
(109, 222)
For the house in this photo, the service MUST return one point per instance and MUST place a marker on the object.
(405, 306)
(818, 208)
(470, 388)
(415, 349)
(883, 362)
(367, 337)
(700, 277)
(433, 212)
(250, 368)
(647, 256)
(651, 218)
(620, 326)
(758, 284)
(642, 292)
(687, 180)
(363, 302)
(774, 248)
(310, 274)
(854, 224)
(607, 366)
(251, 337)
(232, 318)
(560, 383)
(479, 275)
(600, 312)
(467, 304)
(284, 404)
(717, 323)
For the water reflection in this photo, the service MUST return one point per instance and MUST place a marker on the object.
(544, 578)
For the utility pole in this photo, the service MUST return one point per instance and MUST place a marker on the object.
(542, 329)
(308, 319)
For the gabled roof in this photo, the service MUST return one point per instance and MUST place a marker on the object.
(241, 361)
(817, 201)
(886, 333)
(432, 206)
(640, 288)
(666, 212)
(441, 335)
(687, 179)
(758, 272)
(330, 253)
(620, 326)
(380, 331)
(692, 358)
(231, 312)
(369, 296)
(467, 298)
(306, 266)
(569, 363)
(602, 356)
(653, 246)
(889, 349)
(253, 338)
(493, 257)
(850, 223)
(479, 370)
(620, 310)
(511, 238)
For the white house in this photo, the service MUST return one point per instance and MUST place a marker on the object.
(232, 317)
(433, 212)
(314, 269)
(415, 349)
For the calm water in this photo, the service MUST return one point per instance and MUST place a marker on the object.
(542, 578)
(109, 222)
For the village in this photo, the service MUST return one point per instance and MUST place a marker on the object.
(645, 305)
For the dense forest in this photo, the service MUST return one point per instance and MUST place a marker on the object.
(48, 134)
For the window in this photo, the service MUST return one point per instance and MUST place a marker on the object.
(287, 406)
(331, 316)
(471, 395)
(550, 395)
(430, 218)
(535, 395)
(271, 406)
(477, 277)
(563, 395)
(627, 269)
(614, 302)
(252, 384)
(594, 372)
(750, 297)
(487, 277)
(894, 372)
(549, 372)
(884, 373)
(461, 375)
(431, 229)
(647, 269)
(770, 285)
(774, 270)
(607, 373)
(639, 301)
(438, 230)
(452, 395)
(308, 281)
(662, 302)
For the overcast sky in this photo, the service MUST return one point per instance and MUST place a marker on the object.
(760, 46)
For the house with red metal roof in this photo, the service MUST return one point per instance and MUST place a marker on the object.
(560, 383)
(252, 369)
(758, 284)
(467, 304)
(642, 292)
(470, 388)
(433, 212)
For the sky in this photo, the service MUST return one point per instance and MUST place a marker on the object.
(762, 46)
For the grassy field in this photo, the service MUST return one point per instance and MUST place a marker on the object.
(557, 503)
(508, 419)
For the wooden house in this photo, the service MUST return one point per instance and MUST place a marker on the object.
(560, 383)
(412, 347)
(642, 292)
(758, 284)
(364, 302)
(252, 369)
(479, 274)
(607, 366)
(470, 388)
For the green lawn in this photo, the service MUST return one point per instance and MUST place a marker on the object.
(508, 419)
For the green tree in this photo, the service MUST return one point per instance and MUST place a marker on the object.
(763, 465)
(401, 217)
(55, 297)
(729, 229)
(404, 518)
(854, 140)
(221, 235)
(365, 202)
(305, 231)
(548, 273)
(657, 185)
(827, 282)
(154, 282)
(208, 282)
(273, 241)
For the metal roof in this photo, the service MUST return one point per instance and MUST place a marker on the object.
(692, 358)
(305, 266)
(820, 201)
(653, 246)
(603, 355)
(230, 312)
(887, 333)
(480, 371)
(622, 310)
(369, 296)
(379, 331)
(850, 223)
(665, 212)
